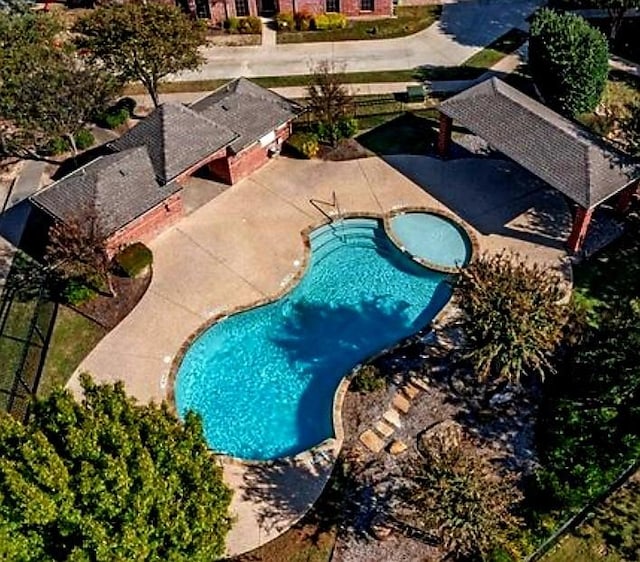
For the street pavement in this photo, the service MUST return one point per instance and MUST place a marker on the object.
(464, 28)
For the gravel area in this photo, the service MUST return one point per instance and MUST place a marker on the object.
(502, 431)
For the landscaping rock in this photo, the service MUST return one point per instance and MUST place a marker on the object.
(401, 403)
(419, 383)
(397, 447)
(444, 435)
(371, 441)
(384, 429)
(411, 391)
(378, 528)
(393, 417)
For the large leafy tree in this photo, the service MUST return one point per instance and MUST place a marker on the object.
(142, 41)
(569, 61)
(590, 423)
(106, 479)
(46, 90)
(511, 317)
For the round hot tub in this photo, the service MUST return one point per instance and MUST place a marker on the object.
(432, 238)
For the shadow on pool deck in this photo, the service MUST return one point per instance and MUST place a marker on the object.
(493, 195)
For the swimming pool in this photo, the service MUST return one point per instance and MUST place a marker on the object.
(264, 380)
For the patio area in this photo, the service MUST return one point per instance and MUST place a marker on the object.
(245, 246)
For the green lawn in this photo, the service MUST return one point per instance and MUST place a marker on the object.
(611, 535)
(73, 337)
(497, 50)
(409, 20)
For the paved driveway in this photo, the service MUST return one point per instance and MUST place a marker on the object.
(246, 245)
(464, 28)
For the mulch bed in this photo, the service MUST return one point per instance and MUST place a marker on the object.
(349, 149)
(107, 311)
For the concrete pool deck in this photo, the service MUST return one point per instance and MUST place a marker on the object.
(245, 245)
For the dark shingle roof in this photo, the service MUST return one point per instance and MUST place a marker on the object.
(565, 155)
(115, 189)
(177, 138)
(248, 109)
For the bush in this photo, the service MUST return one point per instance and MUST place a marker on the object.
(76, 292)
(348, 128)
(134, 259)
(116, 114)
(57, 146)
(303, 20)
(367, 379)
(128, 103)
(251, 24)
(231, 24)
(330, 20)
(456, 494)
(84, 139)
(510, 316)
(569, 61)
(305, 144)
(285, 21)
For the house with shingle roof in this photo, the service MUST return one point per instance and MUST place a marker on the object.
(579, 164)
(135, 191)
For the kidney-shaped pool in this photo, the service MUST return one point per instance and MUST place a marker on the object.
(263, 380)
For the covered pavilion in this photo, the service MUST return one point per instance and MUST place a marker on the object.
(577, 163)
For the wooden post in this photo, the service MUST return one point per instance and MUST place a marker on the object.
(581, 221)
(625, 197)
(444, 135)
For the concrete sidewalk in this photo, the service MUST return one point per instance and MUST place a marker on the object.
(464, 28)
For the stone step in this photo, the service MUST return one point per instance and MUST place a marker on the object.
(393, 417)
(419, 383)
(410, 391)
(401, 403)
(371, 441)
(397, 447)
(384, 429)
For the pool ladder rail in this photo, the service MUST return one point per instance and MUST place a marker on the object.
(333, 204)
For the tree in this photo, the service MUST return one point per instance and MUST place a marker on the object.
(142, 41)
(454, 493)
(107, 479)
(569, 61)
(589, 424)
(617, 10)
(510, 315)
(77, 249)
(328, 99)
(69, 90)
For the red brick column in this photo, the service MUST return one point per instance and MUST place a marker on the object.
(444, 136)
(625, 196)
(581, 221)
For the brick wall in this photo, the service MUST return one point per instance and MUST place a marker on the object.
(350, 8)
(253, 157)
(149, 225)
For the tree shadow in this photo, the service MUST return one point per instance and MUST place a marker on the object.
(343, 336)
(480, 22)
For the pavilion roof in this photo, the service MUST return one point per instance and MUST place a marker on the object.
(564, 154)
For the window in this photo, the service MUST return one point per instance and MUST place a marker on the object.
(332, 6)
(202, 9)
(242, 8)
(366, 5)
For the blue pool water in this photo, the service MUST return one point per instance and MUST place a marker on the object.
(264, 380)
(433, 238)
